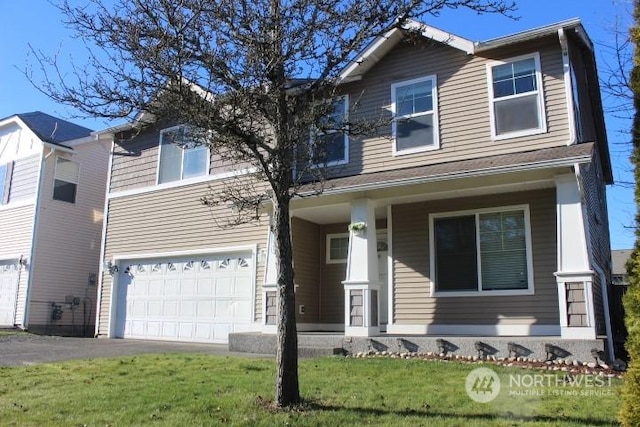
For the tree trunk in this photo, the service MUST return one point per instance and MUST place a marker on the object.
(287, 389)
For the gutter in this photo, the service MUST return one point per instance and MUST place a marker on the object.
(526, 35)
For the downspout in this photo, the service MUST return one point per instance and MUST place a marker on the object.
(604, 289)
(568, 86)
(21, 260)
(103, 239)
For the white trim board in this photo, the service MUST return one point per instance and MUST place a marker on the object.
(475, 330)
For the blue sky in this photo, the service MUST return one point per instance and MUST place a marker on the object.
(39, 24)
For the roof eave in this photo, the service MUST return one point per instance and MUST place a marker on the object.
(532, 34)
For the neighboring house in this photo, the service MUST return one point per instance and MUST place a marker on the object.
(52, 185)
(619, 258)
(484, 207)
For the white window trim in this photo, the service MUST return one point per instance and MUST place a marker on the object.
(346, 139)
(181, 160)
(434, 111)
(328, 248)
(530, 290)
(5, 184)
(539, 92)
(55, 174)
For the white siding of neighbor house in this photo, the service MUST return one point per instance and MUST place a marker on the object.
(15, 241)
(68, 238)
(22, 148)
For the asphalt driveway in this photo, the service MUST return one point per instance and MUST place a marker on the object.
(27, 349)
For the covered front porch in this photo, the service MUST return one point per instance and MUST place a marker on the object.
(369, 265)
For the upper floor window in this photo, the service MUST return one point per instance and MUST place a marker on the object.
(180, 158)
(517, 107)
(485, 251)
(65, 183)
(5, 182)
(415, 118)
(330, 145)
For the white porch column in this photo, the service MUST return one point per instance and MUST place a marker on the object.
(361, 286)
(574, 276)
(269, 319)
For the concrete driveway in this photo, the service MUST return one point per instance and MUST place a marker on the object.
(27, 349)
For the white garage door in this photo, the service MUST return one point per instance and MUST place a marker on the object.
(199, 299)
(9, 275)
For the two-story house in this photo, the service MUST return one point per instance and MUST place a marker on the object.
(52, 186)
(480, 210)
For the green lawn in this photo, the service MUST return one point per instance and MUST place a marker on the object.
(194, 390)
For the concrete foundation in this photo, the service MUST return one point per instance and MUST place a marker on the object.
(315, 344)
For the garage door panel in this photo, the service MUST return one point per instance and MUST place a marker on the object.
(9, 276)
(185, 299)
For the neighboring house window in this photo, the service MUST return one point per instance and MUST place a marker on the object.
(65, 183)
(330, 146)
(415, 119)
(5, 182)
(337, 248)
(179, 158)
(486, 251)
(516, 97)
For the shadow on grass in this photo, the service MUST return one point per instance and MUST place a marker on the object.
(434, 413)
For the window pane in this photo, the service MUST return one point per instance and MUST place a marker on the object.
(64, 191)
(338, 248)
(67, 170)
(517, 114)
(414, 132)
(414, 98)
(170, 160)
(196, 162)
(503, 251)
(456, 261)
(329, 148)
(514, 78)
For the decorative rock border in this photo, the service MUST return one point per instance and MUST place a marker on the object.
(559, 365)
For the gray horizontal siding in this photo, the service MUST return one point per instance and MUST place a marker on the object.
(412, 301)
(135, 160)
(173, 220)
(463, 105)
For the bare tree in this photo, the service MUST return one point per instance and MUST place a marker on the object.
(250, 77)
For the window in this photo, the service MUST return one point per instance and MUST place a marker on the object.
(179, 158)
(330, 145)
(415, 120)
(65, 183)
(516, 98)
(337, 248)
(5, 182)
(485, 251)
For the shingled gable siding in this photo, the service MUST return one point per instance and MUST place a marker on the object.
(596, 217)
(172, 220)
(463, 105)
(135, 160)
(412, 301)
(307, 245)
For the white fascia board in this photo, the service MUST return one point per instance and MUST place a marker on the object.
(571, 161)
(370, 56)
(444, 37)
